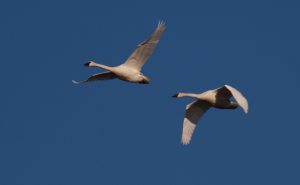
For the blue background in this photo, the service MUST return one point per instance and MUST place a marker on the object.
(53, 132)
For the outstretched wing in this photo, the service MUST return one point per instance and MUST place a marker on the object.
(143, 51)
(193, 112)
(100, 76)
(241, 100)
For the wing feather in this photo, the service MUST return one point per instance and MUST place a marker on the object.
(194, 111)
(241, 100)
(143, 51)
(99, 76)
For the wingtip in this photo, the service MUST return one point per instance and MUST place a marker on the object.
(75, 82)
(246, 106)
(185, 140)
(161, 23)
(184, 143)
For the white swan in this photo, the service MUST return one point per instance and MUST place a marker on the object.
(218, 98)
(130, 70)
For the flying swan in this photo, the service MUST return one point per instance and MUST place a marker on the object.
(218, 98)
(130, 70)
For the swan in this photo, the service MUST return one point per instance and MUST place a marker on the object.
(130, 70)
(218, 98)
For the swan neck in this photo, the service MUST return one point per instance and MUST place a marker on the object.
(180, 95)
(101, 66)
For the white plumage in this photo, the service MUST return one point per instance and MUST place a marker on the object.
(130, 70)
(218, 98)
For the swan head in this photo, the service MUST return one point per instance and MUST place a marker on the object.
(179, 95)
(175, 95)
(89, 64)
(144, 80)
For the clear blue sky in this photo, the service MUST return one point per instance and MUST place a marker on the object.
(53, 132)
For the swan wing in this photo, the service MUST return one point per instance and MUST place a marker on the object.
(100, 76)
(241, 100)
(143, 51)
(193, 112)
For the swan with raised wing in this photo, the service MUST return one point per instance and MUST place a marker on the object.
(218, 98)
(130, 70)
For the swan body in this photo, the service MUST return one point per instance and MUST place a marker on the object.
(217, 98)
(130, 70)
